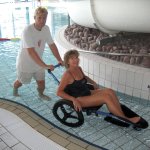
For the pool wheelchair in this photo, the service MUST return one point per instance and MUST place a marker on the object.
(64, 111)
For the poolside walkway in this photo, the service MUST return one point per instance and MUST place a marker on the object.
(12, 129)
(21, 129)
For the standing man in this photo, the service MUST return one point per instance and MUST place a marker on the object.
(29, 61)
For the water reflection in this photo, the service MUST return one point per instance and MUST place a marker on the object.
(13, 21)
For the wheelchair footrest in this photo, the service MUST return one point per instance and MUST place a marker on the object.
(116, 121)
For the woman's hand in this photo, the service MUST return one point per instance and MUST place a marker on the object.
(77, 105)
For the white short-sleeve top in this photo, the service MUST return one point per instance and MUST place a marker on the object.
(32, 38)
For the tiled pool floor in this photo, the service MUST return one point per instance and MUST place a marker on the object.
(95, 130)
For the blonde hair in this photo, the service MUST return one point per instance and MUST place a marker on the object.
(68, 55)
(40, 10)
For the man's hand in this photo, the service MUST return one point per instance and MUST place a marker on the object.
(61, 62)
(51, 67)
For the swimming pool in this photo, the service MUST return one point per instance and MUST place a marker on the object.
(94, 130)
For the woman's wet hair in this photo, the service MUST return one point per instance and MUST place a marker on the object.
(68, 55)
(40, 10)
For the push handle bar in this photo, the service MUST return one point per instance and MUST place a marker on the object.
(55, 66)
(50, 72)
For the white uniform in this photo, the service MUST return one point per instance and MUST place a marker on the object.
(31, 38)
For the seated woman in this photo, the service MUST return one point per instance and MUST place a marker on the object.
(73, 86)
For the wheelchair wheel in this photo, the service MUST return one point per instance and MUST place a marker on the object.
(64, 111)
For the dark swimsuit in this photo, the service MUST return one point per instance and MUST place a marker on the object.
(78, 88)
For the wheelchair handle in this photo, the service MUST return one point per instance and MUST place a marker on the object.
(58, 65)
(50, 72)
(55, 66)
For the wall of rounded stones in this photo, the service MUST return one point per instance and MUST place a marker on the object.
(124, 43)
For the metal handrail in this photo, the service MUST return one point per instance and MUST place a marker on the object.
(115, 54)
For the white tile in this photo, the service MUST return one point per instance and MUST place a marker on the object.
(19, 146)
(114, 86)
(91, 70)
(95, 58)
(96, 69)
(10, 119)
(121, 88)
(102, 71)
(81, 61)
(137, 93)
(115, 74)
(130, 79)
(146, 81)
(138, 80)
(2, 130)
(26, 135)
(107, 84)
(101, 82)
(96, 79)
(9, 139)
(122, 76)
(145, 94)
(2, 145)
(132, 68)
(85, 64)
(148, 93)
(91, 76)
(7, 148)
(15, 126)
(108, 73)
(142, 70)
(129, 90)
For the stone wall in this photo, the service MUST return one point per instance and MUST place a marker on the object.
(125, 43)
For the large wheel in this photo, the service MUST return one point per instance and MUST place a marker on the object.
(64, 111)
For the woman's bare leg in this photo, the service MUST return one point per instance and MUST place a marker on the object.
(100, 98)
(113, 97)
(116, 101)
(111, 94)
